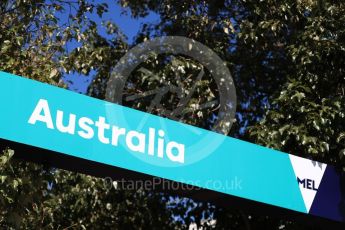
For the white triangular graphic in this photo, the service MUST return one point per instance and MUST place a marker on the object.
(309, 174)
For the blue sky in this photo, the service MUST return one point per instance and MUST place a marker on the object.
(128, 25)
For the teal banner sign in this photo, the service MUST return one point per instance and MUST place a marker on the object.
(67, 123)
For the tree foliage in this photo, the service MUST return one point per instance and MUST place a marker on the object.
(287, 60)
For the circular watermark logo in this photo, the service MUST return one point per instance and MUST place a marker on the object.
(209, 63)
